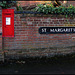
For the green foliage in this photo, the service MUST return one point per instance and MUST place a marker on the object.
(5, 5)
(19, 8)
(50, 9)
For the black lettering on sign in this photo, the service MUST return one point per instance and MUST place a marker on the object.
(56, 30)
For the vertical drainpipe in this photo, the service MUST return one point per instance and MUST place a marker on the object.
(1, 40)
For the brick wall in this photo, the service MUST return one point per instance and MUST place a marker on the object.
(28, 42)
(27, 3)
(72, 2)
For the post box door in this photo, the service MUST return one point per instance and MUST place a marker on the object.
(8, 26)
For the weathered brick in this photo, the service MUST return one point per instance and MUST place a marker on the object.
(28, 40)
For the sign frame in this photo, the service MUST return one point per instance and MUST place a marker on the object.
(56, 30)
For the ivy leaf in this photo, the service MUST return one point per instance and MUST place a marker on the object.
(4, 2)
(1, 4)
(66, 16)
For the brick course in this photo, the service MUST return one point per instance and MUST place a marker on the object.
(28, 42)
(27, 3)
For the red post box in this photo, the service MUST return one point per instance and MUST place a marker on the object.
(8, 22)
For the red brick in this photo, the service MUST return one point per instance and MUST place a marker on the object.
(27, 35)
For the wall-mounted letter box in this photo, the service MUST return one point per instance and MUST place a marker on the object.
(8, 22)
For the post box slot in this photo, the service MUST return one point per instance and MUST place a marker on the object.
(8, 14)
